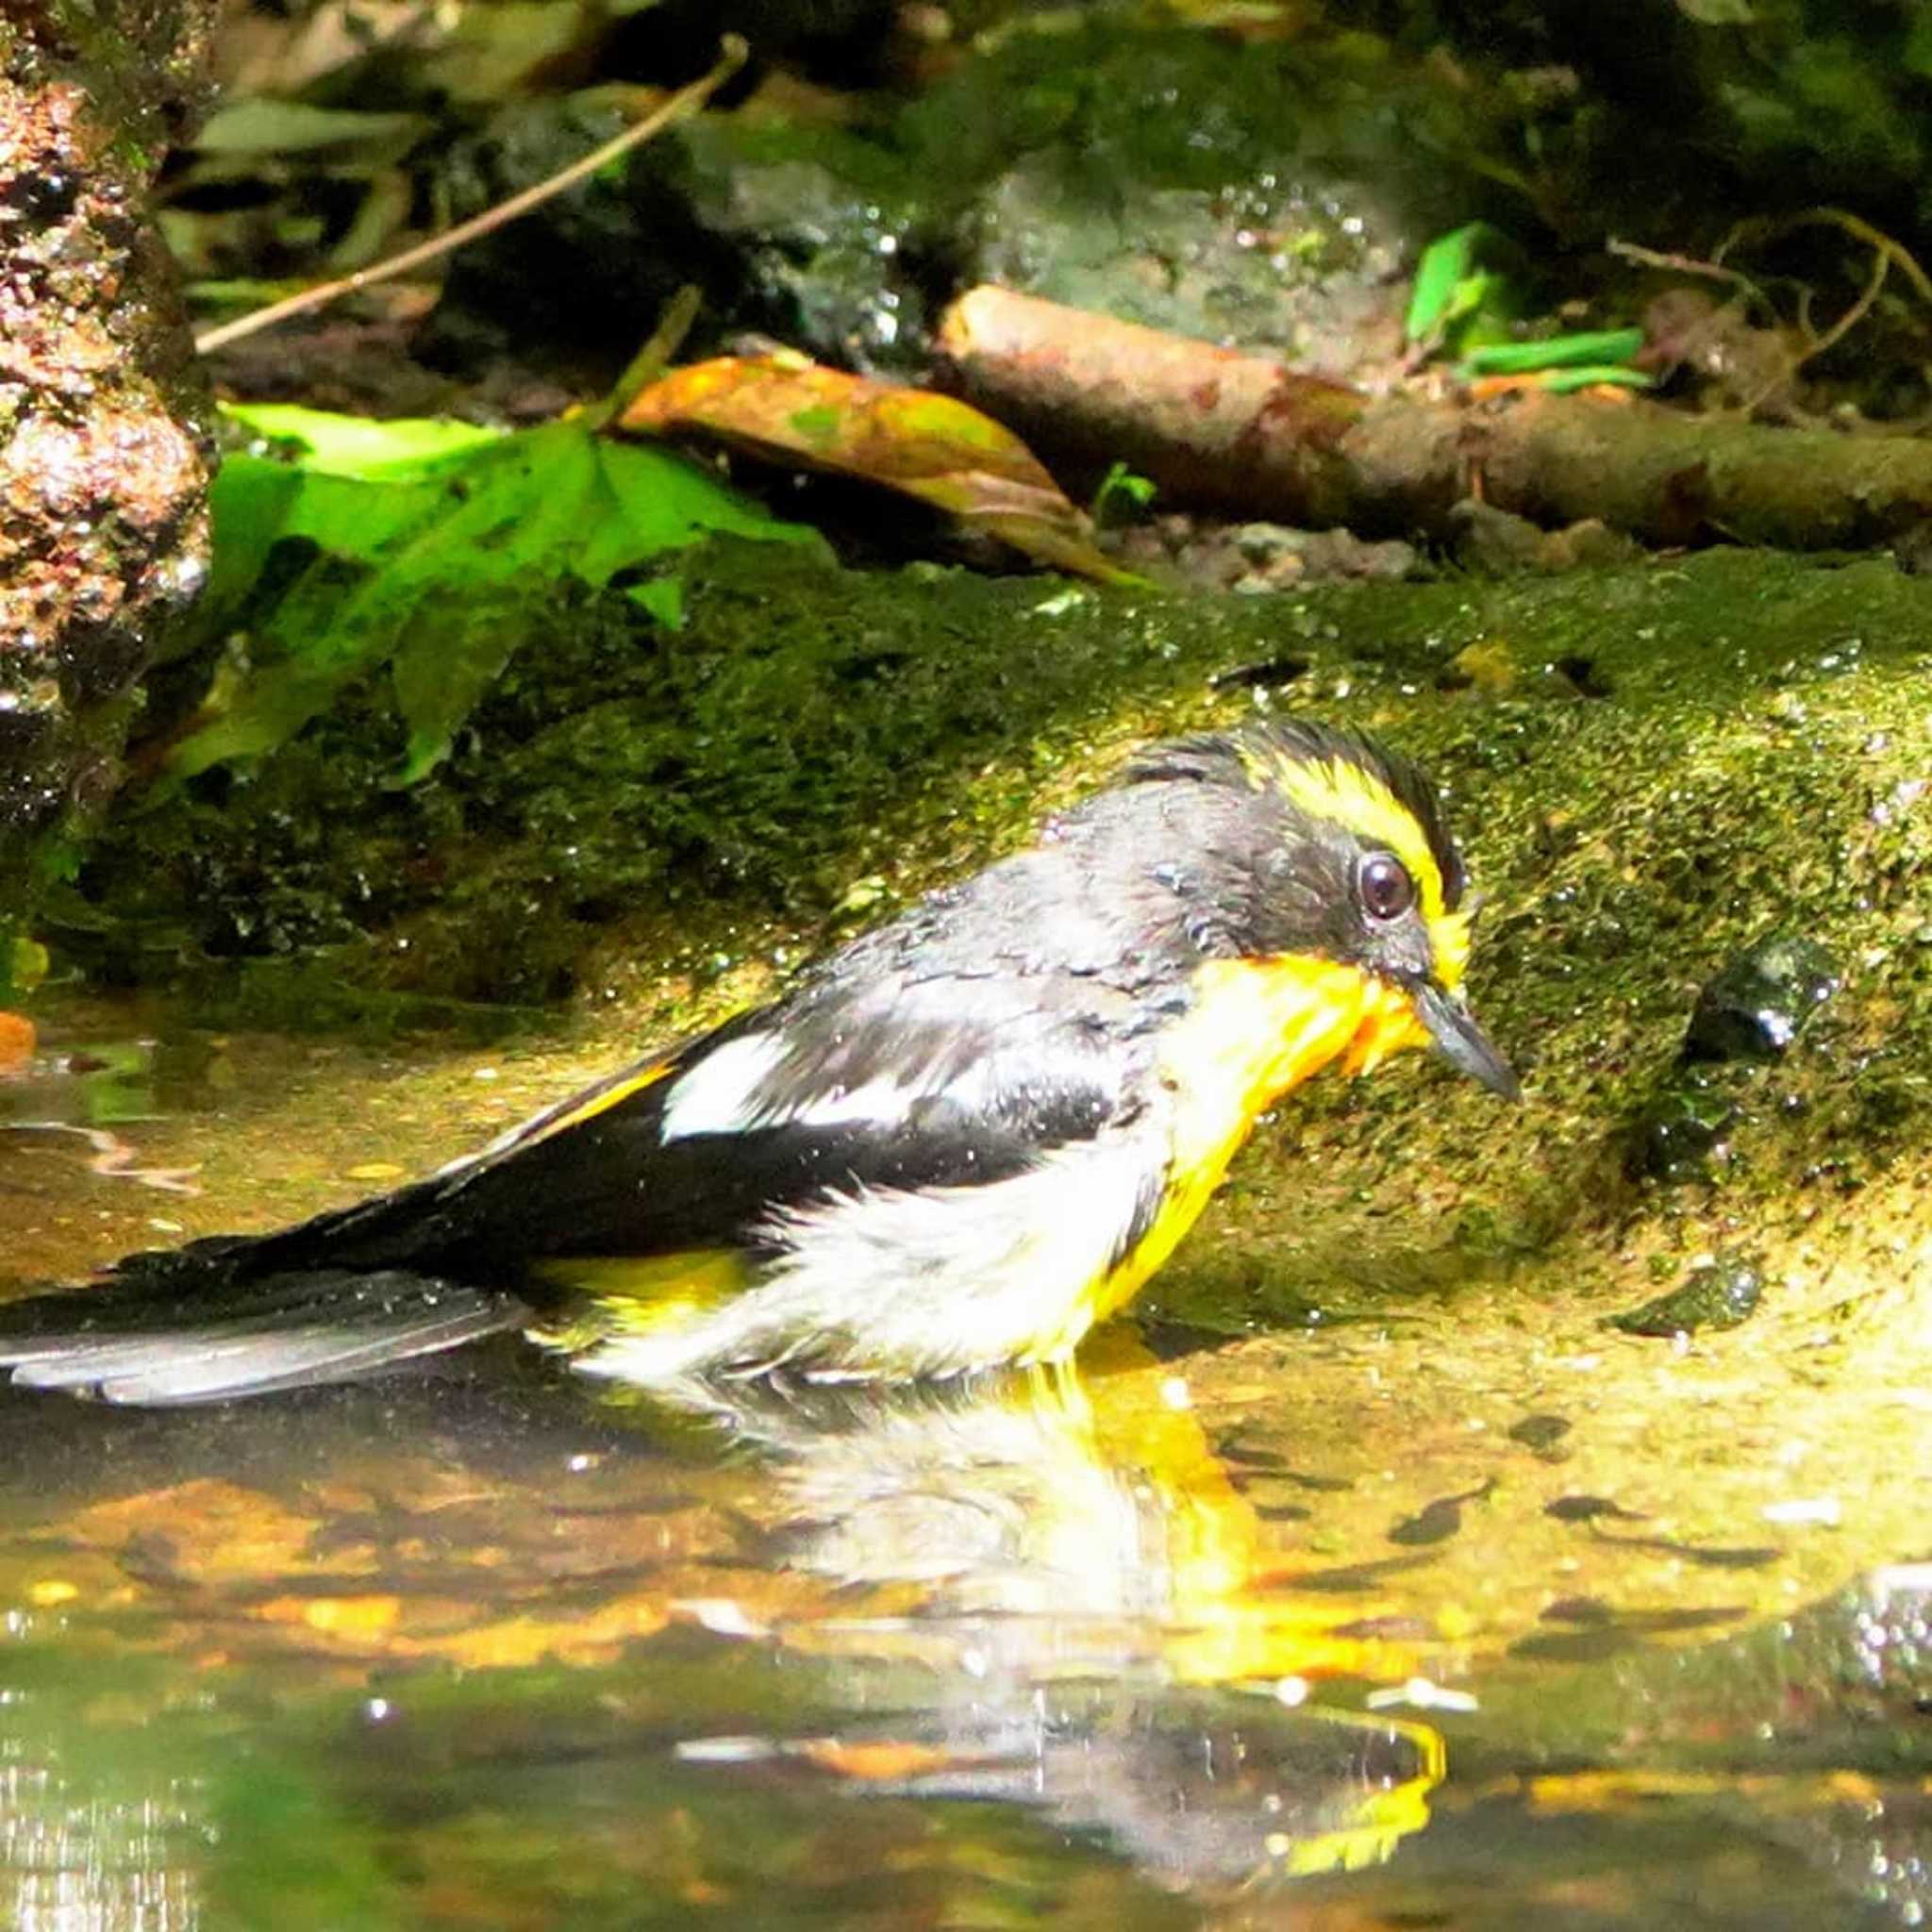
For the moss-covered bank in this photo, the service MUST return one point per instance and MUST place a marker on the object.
(1651, 770)
(1426, 1406)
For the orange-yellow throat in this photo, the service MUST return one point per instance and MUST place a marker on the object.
(1259, 1028)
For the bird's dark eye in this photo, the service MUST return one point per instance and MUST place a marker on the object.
(1383, 885)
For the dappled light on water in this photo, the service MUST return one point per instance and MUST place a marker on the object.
(1454, 1602)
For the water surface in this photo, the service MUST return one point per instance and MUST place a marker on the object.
(1457, 1610)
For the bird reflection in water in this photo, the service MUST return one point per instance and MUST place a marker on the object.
(1039, 1592)
(1088, 1613)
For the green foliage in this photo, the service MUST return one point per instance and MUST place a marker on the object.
(1123, 493)
(1593, 346)
(1456, 299)
(1460, 304)
(807, 730)
(1592, 360)
(422, 547)
(257, 125)
(23, 964)
(1593, 376)
(401, 450)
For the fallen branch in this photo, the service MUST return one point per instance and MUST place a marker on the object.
(1210, 425)
(1241, 434)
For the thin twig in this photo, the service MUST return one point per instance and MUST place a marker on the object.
(1881, 267)
(685, 101)
(1854, 225)
(651, 361)
(1691, 266)
(1886, 253)
(114, 1156)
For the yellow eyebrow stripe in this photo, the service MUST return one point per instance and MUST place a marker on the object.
(1348, 795)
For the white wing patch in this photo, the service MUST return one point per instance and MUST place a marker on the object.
(725, 1093)
(886, 1100)
(720, 1095)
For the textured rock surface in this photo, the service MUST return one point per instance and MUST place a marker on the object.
(104, 448)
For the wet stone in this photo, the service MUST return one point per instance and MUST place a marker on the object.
(1757, 1004)
(1722, 1294)
(1679, 1134)
(1541, 1432)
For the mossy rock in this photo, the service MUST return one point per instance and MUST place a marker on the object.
(1652, 769)
(818, 745)
(1753, 764)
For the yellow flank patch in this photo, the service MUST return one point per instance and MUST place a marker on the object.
(1259, 1028)
(603, 1101)
(639, 1294)
(1346, 793)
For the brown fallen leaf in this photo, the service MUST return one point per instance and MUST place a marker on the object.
(207, 1532)
(786, 410)
(384, 1626)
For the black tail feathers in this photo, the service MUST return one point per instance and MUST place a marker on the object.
(191, 1326)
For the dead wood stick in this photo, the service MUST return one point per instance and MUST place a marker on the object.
(1237, 433)
(1210, 425)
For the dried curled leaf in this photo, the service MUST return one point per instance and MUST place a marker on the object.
(16, 1042)
(944, 452)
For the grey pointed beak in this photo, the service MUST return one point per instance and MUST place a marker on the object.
(1463, 1043)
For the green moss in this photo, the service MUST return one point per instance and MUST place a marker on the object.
(642, 811)
(812, 740)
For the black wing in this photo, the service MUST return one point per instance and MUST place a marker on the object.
(293, 1331)
(948, 1083)
(988, 1024)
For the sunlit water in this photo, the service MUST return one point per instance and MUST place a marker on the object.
(1460, 1614)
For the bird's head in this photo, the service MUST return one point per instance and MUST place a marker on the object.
(1324, 845)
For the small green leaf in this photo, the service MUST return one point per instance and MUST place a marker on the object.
(250, 503)
(1559, 352)
(25, 965)
(258, 124)
(360, 446)
(665, 502)
(1447, 263)
(1612, 375)
(1122, 486)
(427, 543)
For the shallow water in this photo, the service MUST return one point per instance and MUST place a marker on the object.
(1454, 1611)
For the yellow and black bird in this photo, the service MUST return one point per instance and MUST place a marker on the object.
(957, 1143)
